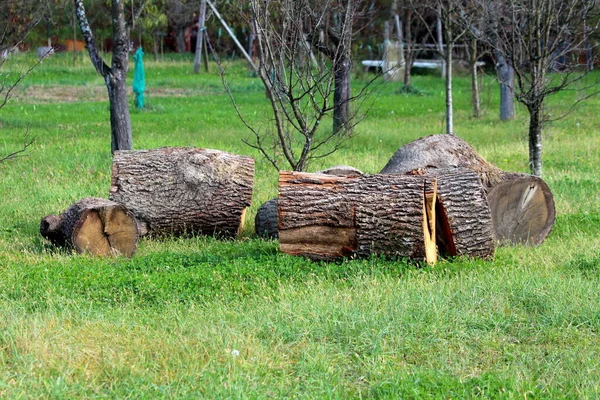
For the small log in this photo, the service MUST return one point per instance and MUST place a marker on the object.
(522, 205)
(265, 222)
(325, 217)
(184, 190)
(96, 226)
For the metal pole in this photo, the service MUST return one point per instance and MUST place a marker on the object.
(228, 29)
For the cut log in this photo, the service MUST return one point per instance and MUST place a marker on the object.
(325, 217)
(522, 205)
(184, 190)
(464, 220)
(265, 223)
(96, 226)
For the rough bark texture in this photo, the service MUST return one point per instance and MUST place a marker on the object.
(506, 77)
(93, 225)
(184, 190)
(535, 139)
(326, 217)
(464, 219)
(341, 95)
(114, 76)
(265, 222)
(444, 151)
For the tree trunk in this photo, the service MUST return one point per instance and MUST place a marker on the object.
(324, 217)
(522, 205)
(409, 49)
(115, 76)
(448, 66)
(184, 190)
(341, 95)
(95, 226)
(200, 36)
(180, 39)
(506, 77)
(474, 79)
(535, 139)
(155, 45)
(440, 42)
(449, 106)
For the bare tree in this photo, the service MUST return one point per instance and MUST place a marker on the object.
(450, 27)
(542, 41)
(301, 94)
(114, 76)
(334, 41)
(17, 19)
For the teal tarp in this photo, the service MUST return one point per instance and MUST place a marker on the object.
(139, 78)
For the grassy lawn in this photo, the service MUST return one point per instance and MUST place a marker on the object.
(203, 318)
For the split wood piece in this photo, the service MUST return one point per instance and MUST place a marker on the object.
(522, 205)
(96, 226)
(177, 190)
(464, 219)
(265, 222)
(324, 217)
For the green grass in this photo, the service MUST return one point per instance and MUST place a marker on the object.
(203, 318)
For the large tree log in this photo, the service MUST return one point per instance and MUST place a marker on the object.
(326, 217)
(522, 205)
(93, 225)
(464, 219)
(184, 190)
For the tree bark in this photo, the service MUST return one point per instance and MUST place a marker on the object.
(447, 51)
(474, 79)
(534, 208)
(114, 76)
(464, 219)
(265, 222)
(341, 94)
(409, 49)
(325, 217)
(184, 190)
(200, 36)
(535, 139)
(506, 77)
(95, 226)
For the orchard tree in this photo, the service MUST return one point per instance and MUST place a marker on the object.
(301, 91)
(450, 27)
(115, 75)
(542, 40)
(17, 19)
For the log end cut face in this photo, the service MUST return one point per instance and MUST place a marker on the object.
(110, 231)
(522, 210)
